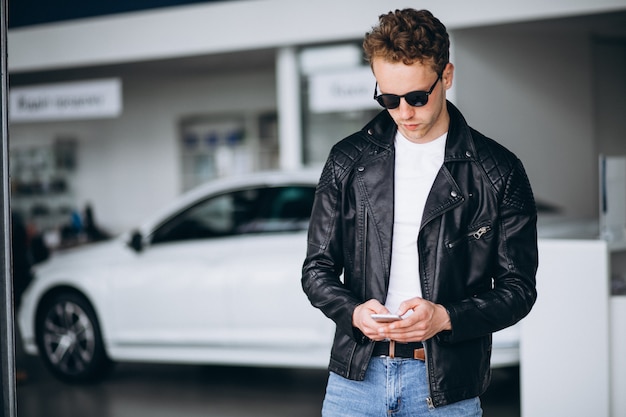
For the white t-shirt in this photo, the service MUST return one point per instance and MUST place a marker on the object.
(416, 167)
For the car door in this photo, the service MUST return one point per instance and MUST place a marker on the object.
(272, 308)
(225, 271)
(178, 293)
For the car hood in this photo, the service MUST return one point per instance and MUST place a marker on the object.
(84, 256)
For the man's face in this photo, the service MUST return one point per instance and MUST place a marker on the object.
(418, 124)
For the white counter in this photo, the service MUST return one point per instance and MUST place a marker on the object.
(573, 343)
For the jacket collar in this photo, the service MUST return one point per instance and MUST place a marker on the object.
(459, 144)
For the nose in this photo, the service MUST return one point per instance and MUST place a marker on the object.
(405, 110)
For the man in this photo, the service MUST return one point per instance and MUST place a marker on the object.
(425, 218)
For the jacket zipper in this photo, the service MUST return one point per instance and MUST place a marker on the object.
(429, 399)
(476, 234)
(364, 261)
(429, 402)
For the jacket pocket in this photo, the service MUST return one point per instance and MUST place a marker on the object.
(475, 234)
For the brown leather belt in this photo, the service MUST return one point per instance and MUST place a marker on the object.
(413, 350)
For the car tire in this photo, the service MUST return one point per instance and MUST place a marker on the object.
(69, 338)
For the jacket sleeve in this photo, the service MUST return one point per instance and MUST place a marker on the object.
(324, 262)
(514, 270)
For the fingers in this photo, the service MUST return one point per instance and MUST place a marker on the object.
(409, 329)
(422, 320)
(410, 305)
(361, 318)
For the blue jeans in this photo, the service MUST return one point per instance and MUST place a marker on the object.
(395, 387)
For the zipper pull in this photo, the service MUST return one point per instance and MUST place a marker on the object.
(480, 232)
(429, 401)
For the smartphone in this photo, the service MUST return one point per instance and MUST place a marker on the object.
(386, 318)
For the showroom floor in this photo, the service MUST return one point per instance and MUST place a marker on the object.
(136, 390)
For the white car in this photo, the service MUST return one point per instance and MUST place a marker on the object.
(214, 278)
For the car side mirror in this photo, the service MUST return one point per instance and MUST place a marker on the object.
(136, 241)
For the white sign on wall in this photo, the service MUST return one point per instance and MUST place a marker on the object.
(345, 90)
(66, 101)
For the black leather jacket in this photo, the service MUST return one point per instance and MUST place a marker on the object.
(477, 249)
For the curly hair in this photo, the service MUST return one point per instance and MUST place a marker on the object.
(409, 36)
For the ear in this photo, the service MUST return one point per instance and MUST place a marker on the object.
(448, 75)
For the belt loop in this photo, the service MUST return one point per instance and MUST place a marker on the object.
(392, 349)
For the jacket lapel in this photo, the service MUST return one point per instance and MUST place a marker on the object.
(444, 196)
(446, 193)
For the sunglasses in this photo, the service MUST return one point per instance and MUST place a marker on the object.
(413, 98)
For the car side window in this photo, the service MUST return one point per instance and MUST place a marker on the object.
(254, 210)
(210, 218)
(281, 209)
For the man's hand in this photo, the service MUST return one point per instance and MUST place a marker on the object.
(361, 319)
(426, 320)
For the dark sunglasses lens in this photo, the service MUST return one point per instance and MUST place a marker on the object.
(388, 101)
(416, 98)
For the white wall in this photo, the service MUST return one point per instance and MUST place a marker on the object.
(533, 93)
(129, 166)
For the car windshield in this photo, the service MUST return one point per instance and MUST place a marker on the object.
(252, 210)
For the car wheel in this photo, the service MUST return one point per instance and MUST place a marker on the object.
(69, 339)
